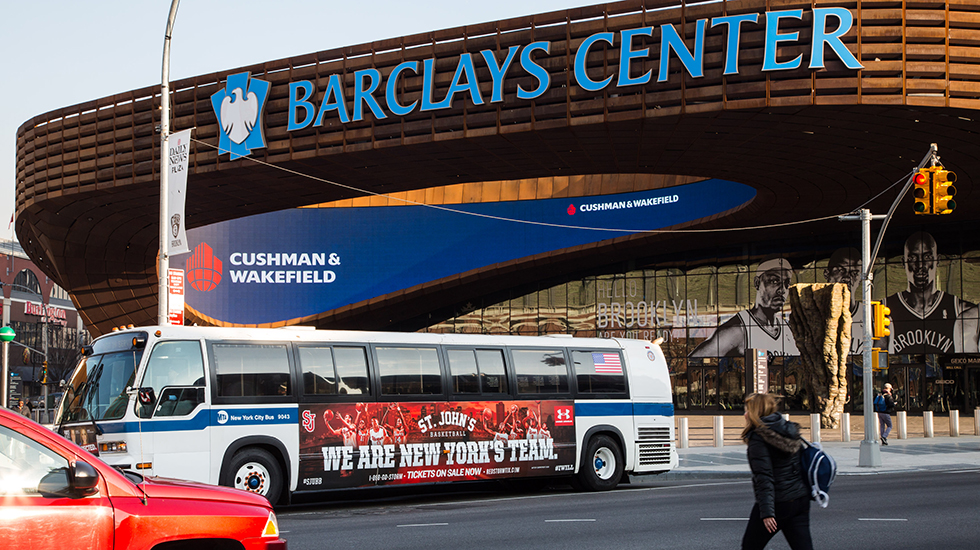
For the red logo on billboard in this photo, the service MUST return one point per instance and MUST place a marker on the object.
(571, 209)
(203, 269)
(309, 421)
(564, 416)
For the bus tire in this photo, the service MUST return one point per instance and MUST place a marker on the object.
(255, 470)
(602, 465)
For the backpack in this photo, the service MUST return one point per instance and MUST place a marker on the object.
(880, 404)
(819, 471)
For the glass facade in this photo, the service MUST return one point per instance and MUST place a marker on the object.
(709, 315)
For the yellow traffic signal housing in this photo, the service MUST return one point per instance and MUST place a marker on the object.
(943, 191)
(880, 320)
(922, 191)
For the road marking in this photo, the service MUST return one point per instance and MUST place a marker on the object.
(960, 471)
(565, 520)
(724, 519)
(422, 525)
(882, 519)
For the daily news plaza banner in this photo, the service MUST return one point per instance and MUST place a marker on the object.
(358, 444)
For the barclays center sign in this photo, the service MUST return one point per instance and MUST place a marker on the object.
(239, 105)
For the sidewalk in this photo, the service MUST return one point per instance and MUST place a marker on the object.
(704, 461)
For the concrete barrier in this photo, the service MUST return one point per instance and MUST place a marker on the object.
(845, 427)
(719, 428)
(954, 423)
(927, 430)
(903, 425)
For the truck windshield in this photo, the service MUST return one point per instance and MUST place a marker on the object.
(97, 389)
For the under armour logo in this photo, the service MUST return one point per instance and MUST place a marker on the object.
(563, 416)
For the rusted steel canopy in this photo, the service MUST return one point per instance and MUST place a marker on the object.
(813, 142)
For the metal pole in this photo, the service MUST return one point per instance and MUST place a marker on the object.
(5, 371)
(870, 449)
(162, 313)
(44, 346)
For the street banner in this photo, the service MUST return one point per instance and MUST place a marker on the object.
(366, 444)
(175, 297)
(177, 155)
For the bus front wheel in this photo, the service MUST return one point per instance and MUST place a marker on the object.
(256, 471)
(602, 465)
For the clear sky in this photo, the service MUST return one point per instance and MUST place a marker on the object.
(55, 53)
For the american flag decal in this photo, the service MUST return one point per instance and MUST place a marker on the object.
(607, 363)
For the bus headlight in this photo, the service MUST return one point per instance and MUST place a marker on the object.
(112, 447)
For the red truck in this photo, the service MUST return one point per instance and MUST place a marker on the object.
(54, 494)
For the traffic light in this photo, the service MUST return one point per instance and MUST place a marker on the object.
(44, 372)
(923, 191)
(880, 320)
(943, 191)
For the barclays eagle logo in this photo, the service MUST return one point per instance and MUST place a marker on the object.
(238, 107)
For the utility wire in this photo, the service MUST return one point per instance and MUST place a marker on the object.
(512, 220)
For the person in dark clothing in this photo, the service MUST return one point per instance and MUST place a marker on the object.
(885, 417)
(782, 500)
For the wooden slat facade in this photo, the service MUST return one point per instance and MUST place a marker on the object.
(813, 142)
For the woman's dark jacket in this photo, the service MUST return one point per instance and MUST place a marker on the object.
(773, 450)
(889, 404)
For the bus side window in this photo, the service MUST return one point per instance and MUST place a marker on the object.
(319, 377)
(352, 370)
(409, 371)
(173, 363)
(540, 371)
(599, 372)
(251, 370)
(492, 373)
(476, 371)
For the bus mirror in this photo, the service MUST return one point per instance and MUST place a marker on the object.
(147, 396)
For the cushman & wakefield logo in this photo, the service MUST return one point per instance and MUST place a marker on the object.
(238, 107)
(203, 269)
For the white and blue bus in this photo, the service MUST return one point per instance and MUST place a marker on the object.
(280, 411)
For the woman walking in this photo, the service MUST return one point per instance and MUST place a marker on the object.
(782, 501)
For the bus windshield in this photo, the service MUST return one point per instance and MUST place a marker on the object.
(97, 389)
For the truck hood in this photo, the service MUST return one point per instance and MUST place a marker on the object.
(162, 487)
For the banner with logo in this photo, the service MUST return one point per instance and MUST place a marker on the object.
(175, 298)
(362, 444)
(304, 261)
(177, 155)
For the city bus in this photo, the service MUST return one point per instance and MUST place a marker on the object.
(286, 410)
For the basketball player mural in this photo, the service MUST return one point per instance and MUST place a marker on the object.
(761, 327)
(924, 318)
(845, 267)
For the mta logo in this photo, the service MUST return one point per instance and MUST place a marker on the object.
(238, 107)
(203, 269)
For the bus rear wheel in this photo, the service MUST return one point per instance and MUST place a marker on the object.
(602, 465)
(256, 471)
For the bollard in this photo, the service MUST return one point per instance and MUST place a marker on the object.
(927, 424)
(815, 428)
(976, 421)
(845, 427)
(684, 435)
(954, 423)
(786, 417)
(719, 431)
(903, 425)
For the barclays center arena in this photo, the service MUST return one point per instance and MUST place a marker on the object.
(646, 169)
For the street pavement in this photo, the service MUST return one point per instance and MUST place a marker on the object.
(702, 460)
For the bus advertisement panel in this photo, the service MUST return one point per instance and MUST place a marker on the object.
(364, 444)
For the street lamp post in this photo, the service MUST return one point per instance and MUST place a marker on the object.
(164, 265)
(44, 338)
(6, 335)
